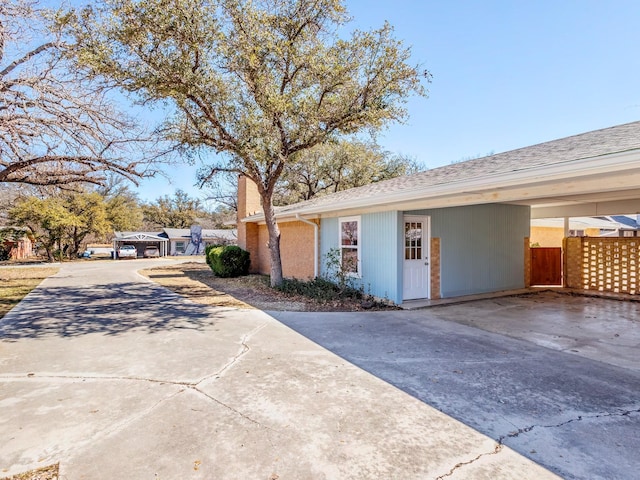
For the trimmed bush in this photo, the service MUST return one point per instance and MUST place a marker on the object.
(228, 261)
(208, 249)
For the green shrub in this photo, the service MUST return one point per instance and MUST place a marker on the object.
(228, 261)
(208, 249)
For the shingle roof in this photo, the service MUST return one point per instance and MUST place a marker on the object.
(206, 233)
(626, 221)
(621, 138)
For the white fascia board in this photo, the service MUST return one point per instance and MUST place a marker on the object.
(479, 186)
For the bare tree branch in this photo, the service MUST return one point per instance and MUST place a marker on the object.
(58, 126)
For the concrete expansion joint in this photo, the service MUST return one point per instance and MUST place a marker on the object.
(497, 449)
(243, 350)
(579, 418)
(184, 386)
(21, 377)
(228, 407)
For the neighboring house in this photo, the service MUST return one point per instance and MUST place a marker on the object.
(455, 230)
(175, 241)
(17, 242)
(628, 225)
(549, 232)
(184, 241)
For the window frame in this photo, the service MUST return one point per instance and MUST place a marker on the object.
(357, 247)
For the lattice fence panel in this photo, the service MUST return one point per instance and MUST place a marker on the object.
(611, 264)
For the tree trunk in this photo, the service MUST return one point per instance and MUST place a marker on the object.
(274, 240)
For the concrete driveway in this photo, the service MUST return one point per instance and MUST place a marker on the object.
(115, 377)
(562, 387)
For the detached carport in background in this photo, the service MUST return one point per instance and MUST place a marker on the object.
(141, 241)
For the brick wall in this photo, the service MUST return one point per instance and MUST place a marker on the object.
(603, 264)
(527, 262)
(435, 268)
(248, 203)
(296, 238)
(553, 236)
(296, 250)
(19, 249)
(572, 268)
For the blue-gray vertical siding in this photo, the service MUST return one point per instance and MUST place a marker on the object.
(381, 265)
(380, 252)
(481, 247)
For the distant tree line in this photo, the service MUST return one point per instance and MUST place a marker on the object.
(63, 222)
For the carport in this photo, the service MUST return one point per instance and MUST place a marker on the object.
(588, 175)
(604, 182)
(141, 241)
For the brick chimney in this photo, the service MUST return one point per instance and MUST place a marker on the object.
(249, 202)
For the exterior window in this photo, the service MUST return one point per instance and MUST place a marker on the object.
(350, 245)
(180, 247)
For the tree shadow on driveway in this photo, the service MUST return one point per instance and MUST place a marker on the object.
(112, 310)
(575, 416)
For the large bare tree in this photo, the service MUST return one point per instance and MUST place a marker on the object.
(57, 126)
(258, 81)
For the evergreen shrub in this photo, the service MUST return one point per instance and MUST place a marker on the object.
(228, 261)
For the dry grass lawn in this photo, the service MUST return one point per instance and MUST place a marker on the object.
(44, 473)
(16, 282)
(196, 282)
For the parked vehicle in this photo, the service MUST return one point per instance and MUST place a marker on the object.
(127, 251)
(151, 252)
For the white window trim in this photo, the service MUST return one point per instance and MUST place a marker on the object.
(358, 247)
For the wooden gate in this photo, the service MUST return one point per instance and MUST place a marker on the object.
(546, 266)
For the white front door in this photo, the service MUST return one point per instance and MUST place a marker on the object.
(416, 258)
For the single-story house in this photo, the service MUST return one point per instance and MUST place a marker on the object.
(628, 225)
(184, 241)
(175, 241)
(549, 232)
(456, 230)
(17, 242)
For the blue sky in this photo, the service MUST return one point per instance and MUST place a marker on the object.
(506, 74)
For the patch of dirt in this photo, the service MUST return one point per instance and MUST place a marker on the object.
(197, 282)
(45, 473)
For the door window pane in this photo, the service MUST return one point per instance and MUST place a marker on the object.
(413, 240)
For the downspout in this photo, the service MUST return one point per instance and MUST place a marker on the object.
(315, 242)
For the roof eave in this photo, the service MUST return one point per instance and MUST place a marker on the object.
(475, 187)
